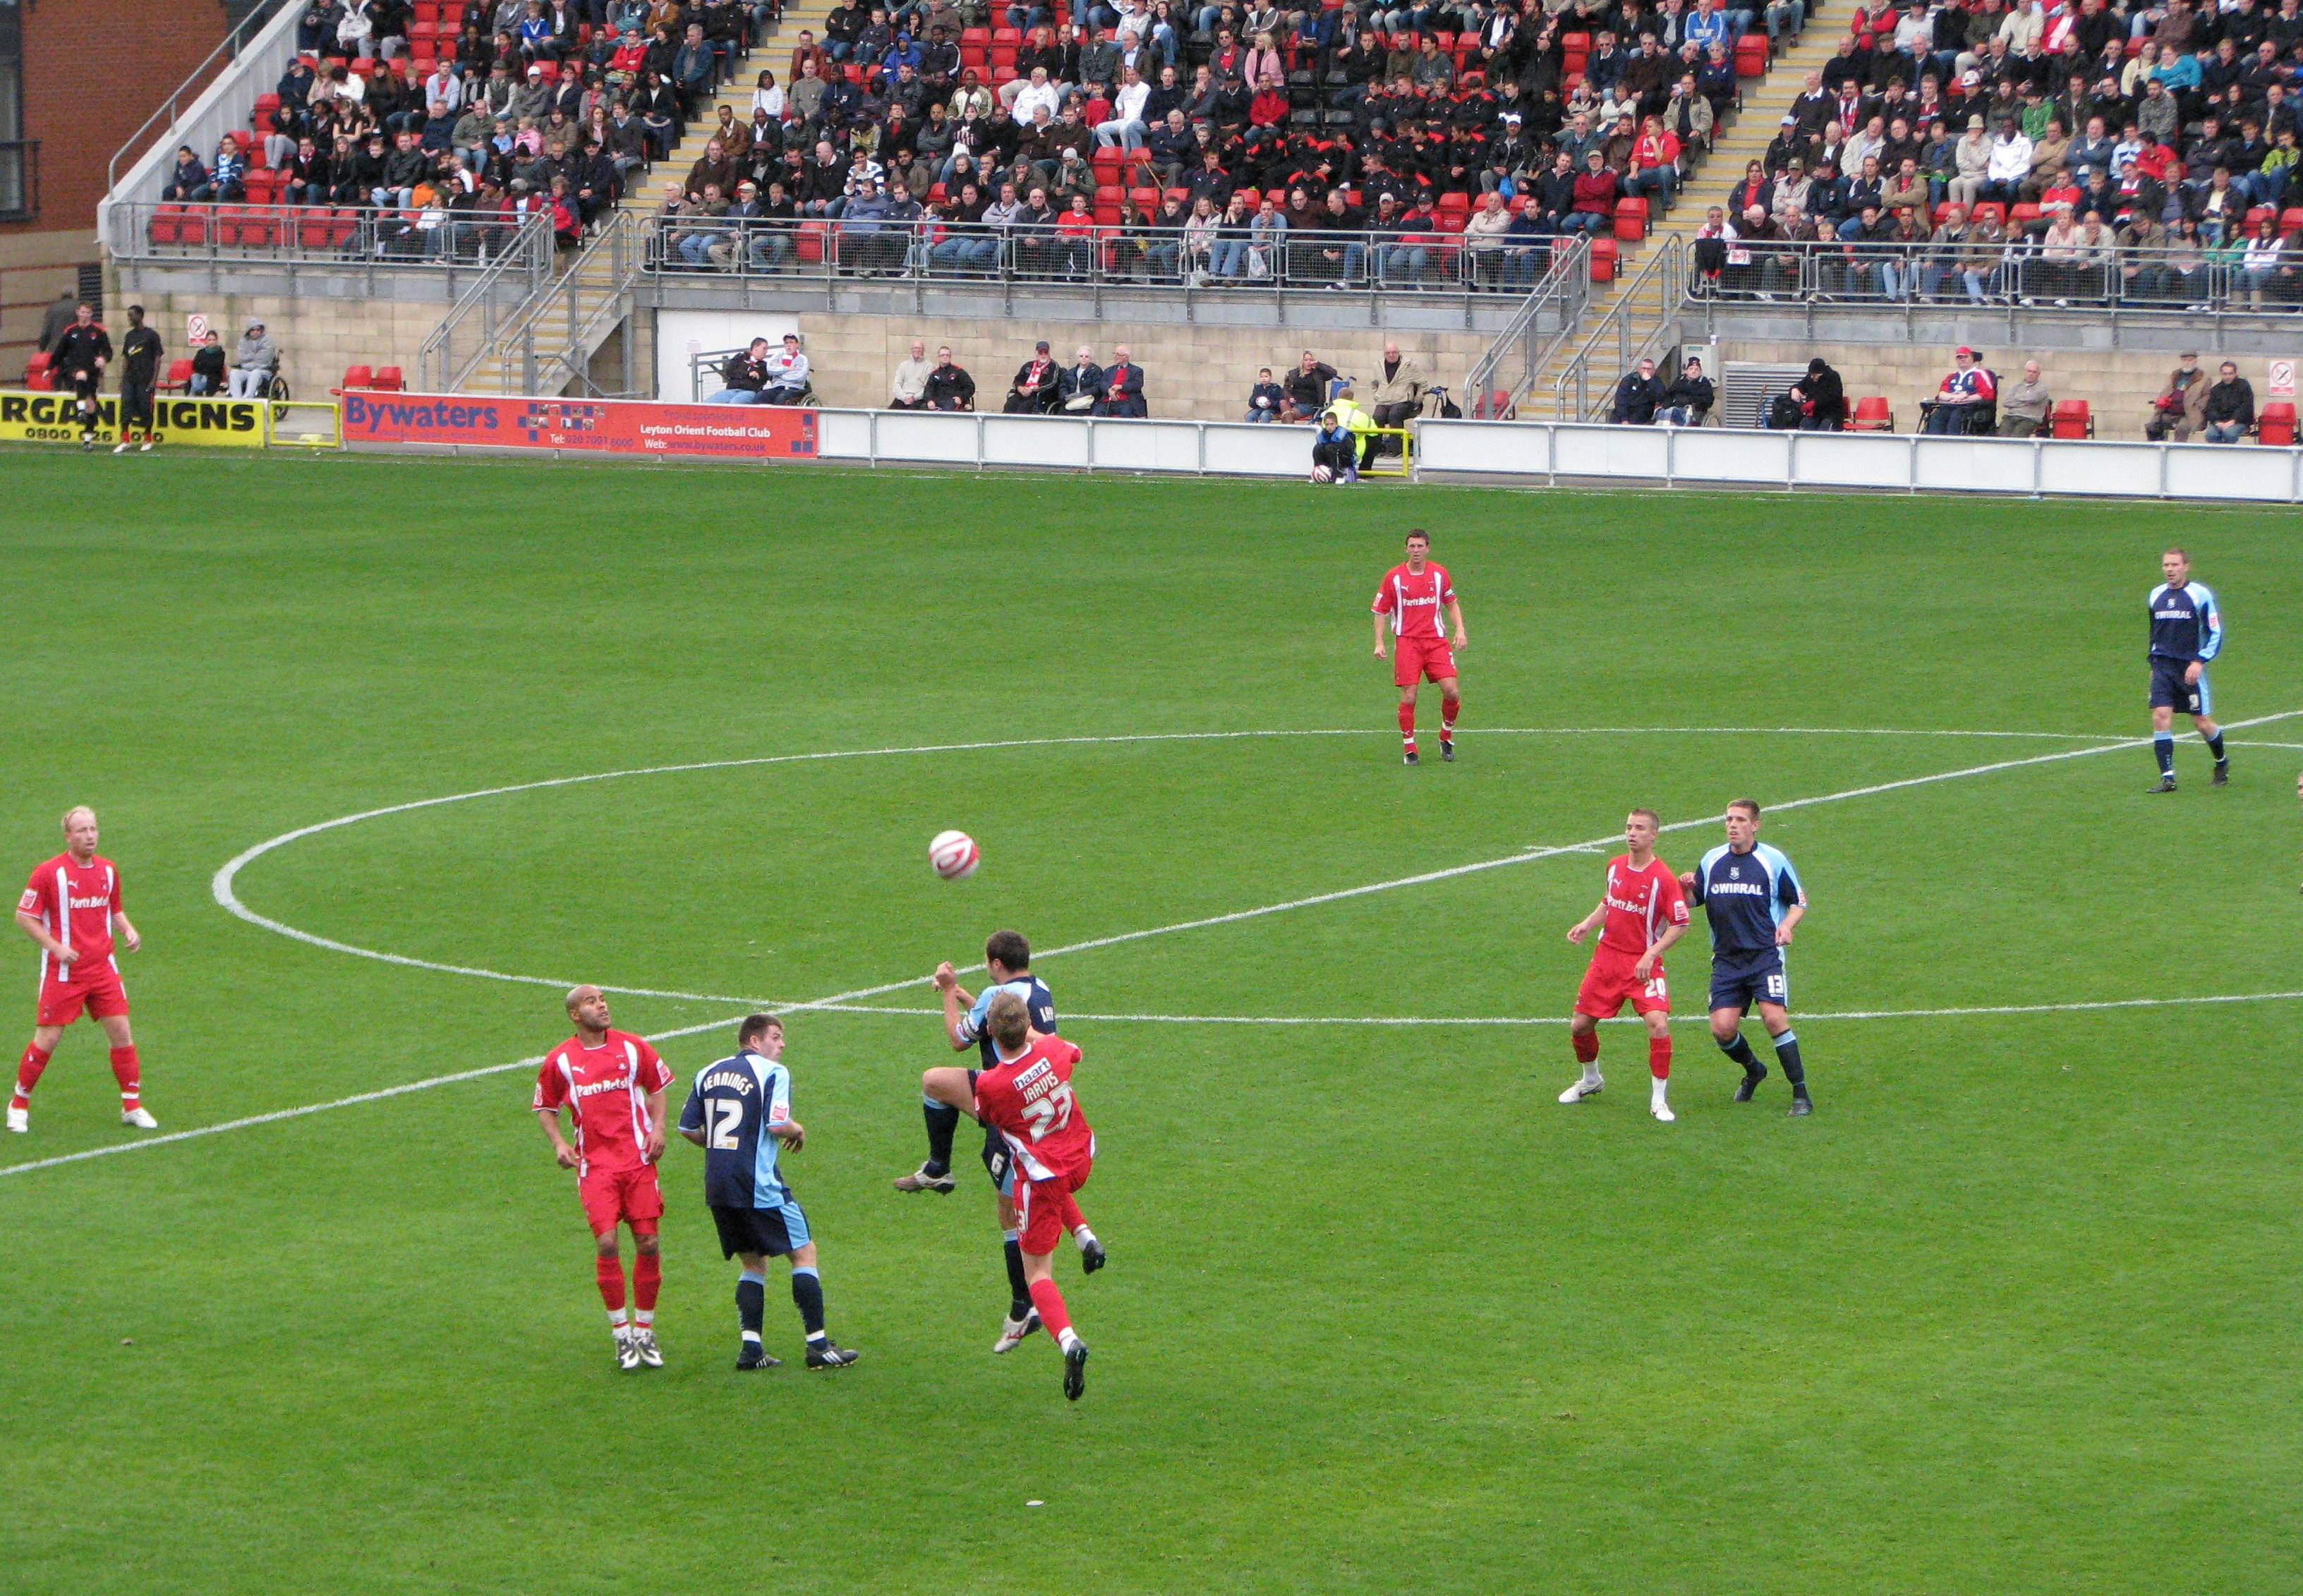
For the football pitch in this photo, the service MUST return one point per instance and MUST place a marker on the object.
(2015, 1311)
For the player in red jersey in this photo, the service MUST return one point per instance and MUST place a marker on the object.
(1643, 912)
(1412, 594)
(1027, 1098)
(71, 907)
(613, 1084)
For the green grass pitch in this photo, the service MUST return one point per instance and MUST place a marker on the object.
(2015, 1312)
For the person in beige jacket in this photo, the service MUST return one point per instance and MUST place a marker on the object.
(2181, 409)
(1396, 391)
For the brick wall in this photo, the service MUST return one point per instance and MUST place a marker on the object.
(93, 71)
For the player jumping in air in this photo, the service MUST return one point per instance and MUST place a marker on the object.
(1412, 594)
(2187, 631)
(71, 907)
(1008, 959)
(1026, 1097)
(1751, 896)
(739, 1112)
(613, 1084)
(1641, 912)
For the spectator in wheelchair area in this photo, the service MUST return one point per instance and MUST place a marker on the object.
(2024, 404)
(743, 375)
(253, 363)
(1637, 396)
(1968, 392)
(1690, 398)
(787, 375)
(207, 365)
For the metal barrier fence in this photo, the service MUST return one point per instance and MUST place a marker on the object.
(1437, 263)
(477, 319)
(1640, 324)
(2026, 272)
(1523, 348)
(437, 240)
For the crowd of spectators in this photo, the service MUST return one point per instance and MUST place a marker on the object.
(1982, 152)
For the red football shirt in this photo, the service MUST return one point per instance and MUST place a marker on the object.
(1029, 1101)
(75, 903)
(1413, 601)
(608, 1086)
(1641, 903)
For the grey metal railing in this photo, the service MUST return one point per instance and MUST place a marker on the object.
(547, 342)
(436, 240)
(2018, 273)
(476, 320)
(1644, 319)
(825, 252)
(195, 81)
(1523, 348)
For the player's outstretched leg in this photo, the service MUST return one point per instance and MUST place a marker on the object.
(934, 1175)
(29, 1071)
(1583, 1036)
(751, 1309)
(1049, 1301)
(807, 1296)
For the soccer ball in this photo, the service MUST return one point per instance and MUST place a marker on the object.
(954, 855)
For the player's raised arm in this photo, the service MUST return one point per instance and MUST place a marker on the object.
(959, 1007)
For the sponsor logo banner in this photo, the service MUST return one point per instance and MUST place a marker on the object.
(212, 423)
(602, 425)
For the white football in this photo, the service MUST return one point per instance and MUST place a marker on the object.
(954, 855)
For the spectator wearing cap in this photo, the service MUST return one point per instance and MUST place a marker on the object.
(1123, 388)
(1971, 164)
(1690, 397)
(908, 390)
(742, 376)
(253, 362)
(1821, 397)
(2228, 413)
(739, 221)
(1637, 396)
(949, 387)
(2181, 408)
(1038, 382)
(1966, 392)
(2024, 404)
(787, 375)
(1265, 398)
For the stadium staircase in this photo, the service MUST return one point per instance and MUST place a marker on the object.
(1637, 311)
(546, 345)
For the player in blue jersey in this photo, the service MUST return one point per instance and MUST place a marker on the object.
(1751, 896)
(1007, 959)
(2187, 631)
(739, 1112)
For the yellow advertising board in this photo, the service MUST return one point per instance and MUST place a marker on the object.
(207, 423)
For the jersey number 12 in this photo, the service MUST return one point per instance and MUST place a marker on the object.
(721, 1117)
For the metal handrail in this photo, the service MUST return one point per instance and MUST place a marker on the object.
(194, 82)
(525, 331)
(1664, 272)
(531, 253)
(1567, 287)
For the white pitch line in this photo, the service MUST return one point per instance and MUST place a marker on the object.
(1805, 1017)
(222, 884)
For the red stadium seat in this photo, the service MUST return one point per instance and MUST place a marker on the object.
(39, 377)
(2290, 220)
(388, 380)
(2070, 419)
(180, 377)
(1871, 415)
(2275, 423)
(1751, 55)
(1630, 219)
(1603, 260)
(359, 377)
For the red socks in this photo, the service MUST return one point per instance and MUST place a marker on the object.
(1049, 1301)
(1587, 1045)
(28, 1069)
(1448, 708)
(1659, 1057)
(125, 1071)
(647, 1274)
(1407, 723)
(611, 1282)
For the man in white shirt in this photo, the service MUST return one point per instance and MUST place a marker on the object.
(1034, 95)
(787, 373)
(1125, 128)
(2010, 165)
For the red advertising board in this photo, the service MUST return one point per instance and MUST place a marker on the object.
(602, 425)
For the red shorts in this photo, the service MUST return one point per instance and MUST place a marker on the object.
(1418, 659)
(1608, 984)
(99, 991)
(627, 1196)
(1045, 1212)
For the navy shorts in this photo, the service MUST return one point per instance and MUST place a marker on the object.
(2169, 690)
(771, 1232)
(997, 1162)
(1748, 978)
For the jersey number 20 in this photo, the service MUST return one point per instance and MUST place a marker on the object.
(1051, 1112)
